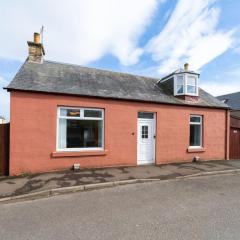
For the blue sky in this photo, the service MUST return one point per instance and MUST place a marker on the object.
(145, 37)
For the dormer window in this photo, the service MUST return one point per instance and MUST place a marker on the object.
(186, 84)
(182, 83)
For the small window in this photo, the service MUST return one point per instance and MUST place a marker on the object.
(195, 131)
(93, 113)
(79, 129)
(146, 115)
(144, 131)
(191, 85)
(64, 112)
(180, 84)
(195, 119)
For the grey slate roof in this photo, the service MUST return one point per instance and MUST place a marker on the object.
(59, 78)
(232, 100)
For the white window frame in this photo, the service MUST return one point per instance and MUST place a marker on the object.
(201, 130)
(79, 118)
(185, 84)
(195, 85)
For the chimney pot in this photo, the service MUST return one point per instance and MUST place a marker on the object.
(186, 65)
(36, 37)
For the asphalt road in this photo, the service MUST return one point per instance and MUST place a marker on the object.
(203, 208)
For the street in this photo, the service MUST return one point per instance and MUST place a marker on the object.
(197, 208)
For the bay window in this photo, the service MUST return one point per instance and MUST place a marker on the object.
(186, 84)
(79, 129)
(195, 131)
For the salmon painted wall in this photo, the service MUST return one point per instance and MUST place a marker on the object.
(33, 133)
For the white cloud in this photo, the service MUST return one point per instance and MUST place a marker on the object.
(217, 89)
(76, 31)
(230, 84)
(190, 35)
(3, 82)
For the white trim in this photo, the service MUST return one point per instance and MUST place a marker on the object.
(79, 149)
(195, 85)
(81, 113)
(82, 118)
(201, 130)
(175, 84)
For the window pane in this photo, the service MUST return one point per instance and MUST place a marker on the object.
(69, 112)
(191, 89)
(179, 88)
(195, 119)
(145, 115)
(195, 135)
(191, 81)
(62, 130)
(180, 80)
(180, 84)
(80, 133)
(93, 113)
(144, 131)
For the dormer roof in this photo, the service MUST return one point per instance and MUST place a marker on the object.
(178, 71)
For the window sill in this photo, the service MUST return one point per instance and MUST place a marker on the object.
(79, 154)
(198, 149)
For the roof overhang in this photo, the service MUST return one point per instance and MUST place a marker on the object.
(118, 99)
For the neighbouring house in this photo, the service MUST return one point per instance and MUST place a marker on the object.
(62, 114)
(233, 101)
(234, 146)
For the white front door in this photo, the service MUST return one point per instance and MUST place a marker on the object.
(146, 141)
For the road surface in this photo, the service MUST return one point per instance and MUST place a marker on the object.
(198, 208)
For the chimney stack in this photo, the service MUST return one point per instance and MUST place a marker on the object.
(35, 49)
(186, 65)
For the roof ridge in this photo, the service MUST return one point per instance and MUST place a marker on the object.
(102, 70)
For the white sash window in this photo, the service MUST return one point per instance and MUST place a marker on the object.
(195, 131)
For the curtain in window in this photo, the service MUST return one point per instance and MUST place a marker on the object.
(62, 132)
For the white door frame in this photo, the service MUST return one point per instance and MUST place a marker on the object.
(153, 121)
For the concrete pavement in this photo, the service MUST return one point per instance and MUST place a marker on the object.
(32, 184)
(187, 209)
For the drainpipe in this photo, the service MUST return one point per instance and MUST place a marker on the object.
(227, 134)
